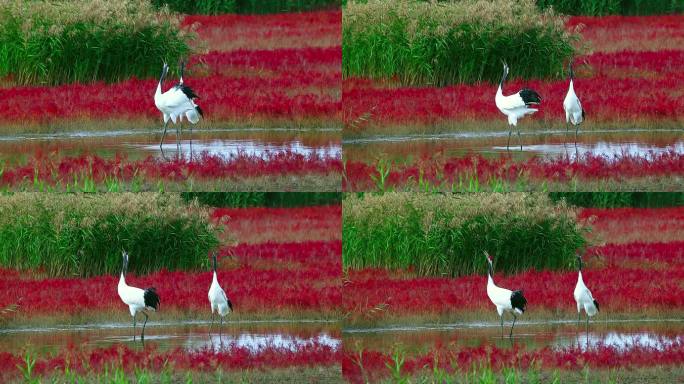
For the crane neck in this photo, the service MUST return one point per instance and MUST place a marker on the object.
(572, 87)
(214, 280)
(122, 280)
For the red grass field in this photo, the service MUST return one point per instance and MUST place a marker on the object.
(279, 273)
(616, 272)
(631, 71)
(292, 75)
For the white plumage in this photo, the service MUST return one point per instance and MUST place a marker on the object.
(176, 103)
(574, 114)
(583, 296)
(138, 300)
(504, 299)
(220, 304)
(515, 106)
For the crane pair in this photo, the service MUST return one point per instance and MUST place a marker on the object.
(177, 103)
(514, 302)
(518, 105)
(139, 300)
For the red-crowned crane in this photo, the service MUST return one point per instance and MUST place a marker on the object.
(574, 113)
(583, 296)
(515, 106)
(504, 299)
(220, 303)
(138, 300)
(176, 103)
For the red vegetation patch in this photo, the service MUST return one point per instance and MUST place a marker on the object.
(359, 175)
(375, 364)
(618, 225)
(152, 359)
(64, 170)
(254, 225)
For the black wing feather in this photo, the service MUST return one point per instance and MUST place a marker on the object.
(187, 91)
(518, 300)
(529, 96)
(199, 110)
(151, 298)
(230, 305)
(596, 304)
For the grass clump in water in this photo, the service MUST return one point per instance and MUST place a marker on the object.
(83, 235)
(436, 234)
(56, 42)
(441, 43)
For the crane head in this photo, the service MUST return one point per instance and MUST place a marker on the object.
(213, 257)
(505, 71)
(489, 258)
(579, 260)
(124, 267)
(571, 73)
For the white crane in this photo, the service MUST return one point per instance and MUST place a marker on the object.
(220, 303)
(574, 113)
(515, 106)
(138, 300)
(176, 103)
(504, 299)
(583, 297)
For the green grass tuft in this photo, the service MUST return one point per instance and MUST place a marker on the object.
(83, 235)
(446, 234)
(441, 43)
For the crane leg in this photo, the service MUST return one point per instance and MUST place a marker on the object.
(220, 325)
(519, 139)
(510, 335)
(576, 133)
(142, 335)
(163, 134)
(587, 325)
(134, 327)
(578, 317)
(501, 325)
(508, 144)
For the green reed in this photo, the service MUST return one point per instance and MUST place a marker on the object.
(83, 235)
(442, 43)
(446, 234)
(52, 43)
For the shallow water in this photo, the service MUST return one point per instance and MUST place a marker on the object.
(189, 336)
(621, 335)
(139, 144)
(547, 144)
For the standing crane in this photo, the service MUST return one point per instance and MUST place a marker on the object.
(583, 297)
(504, 299)
(175, 103)
(515, 106)
(574, 113)
(220, 303)
(138, 300)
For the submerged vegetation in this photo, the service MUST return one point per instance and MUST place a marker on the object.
(77, 235)
(447, 234)
(56, 42)
(440, 43)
